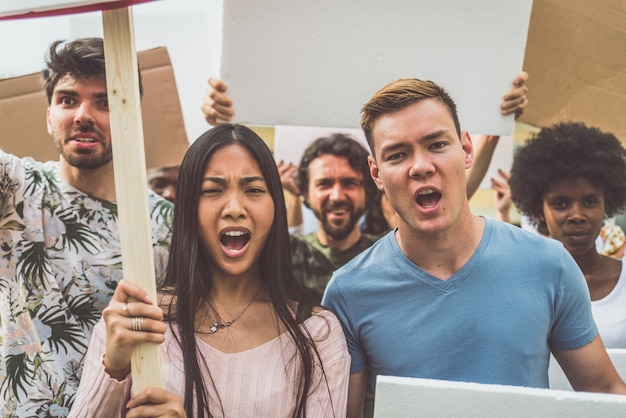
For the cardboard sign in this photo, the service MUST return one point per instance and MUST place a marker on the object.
(577, 65)
(18, 9)
(296, 62)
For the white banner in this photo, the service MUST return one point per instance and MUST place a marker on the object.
(315, 63)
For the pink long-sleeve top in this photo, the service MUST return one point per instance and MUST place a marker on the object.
(254, 383)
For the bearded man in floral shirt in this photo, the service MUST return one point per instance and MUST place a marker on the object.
(60, 257)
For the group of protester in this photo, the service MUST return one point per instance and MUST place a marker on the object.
(245, 330)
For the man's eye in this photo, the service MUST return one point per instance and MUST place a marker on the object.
(349, 184)
(105, 104)
(396, 156)
(437, 146)
(66, 100)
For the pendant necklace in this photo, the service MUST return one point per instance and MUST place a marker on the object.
(216, 326)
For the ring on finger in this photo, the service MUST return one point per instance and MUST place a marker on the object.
(137, 323)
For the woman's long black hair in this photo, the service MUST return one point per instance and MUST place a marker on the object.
(188, 279)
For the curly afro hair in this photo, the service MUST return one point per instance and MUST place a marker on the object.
(568, 151)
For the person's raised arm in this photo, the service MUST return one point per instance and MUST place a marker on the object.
(485, 145)
(293, 200)
(503, 196)
(216, 105)
(514, 101)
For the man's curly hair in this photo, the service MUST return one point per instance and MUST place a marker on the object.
(568, 150)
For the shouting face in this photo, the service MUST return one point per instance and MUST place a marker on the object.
(235, 212)
(78, 120)
(420, 165)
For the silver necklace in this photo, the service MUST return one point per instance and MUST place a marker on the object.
(216, 326)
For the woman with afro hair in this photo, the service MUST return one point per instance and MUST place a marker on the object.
(567, 179)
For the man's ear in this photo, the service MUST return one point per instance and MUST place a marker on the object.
(468, 148)
(375, 173)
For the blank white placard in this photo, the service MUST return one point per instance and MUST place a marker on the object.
(315, 63)
(412, 397)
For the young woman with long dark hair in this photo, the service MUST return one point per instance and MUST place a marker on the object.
(240, 336)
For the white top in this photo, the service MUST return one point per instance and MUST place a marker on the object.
(610, 314)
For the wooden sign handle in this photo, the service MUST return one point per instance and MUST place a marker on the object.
(129, 165)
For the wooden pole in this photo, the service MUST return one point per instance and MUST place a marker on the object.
(129, 164)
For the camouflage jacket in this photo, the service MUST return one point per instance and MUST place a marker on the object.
(314, 263)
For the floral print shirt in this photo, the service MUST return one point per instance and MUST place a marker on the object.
(60, 261)
(611, 241)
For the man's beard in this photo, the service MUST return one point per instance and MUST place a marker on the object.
(85, 159)
(339, 232)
